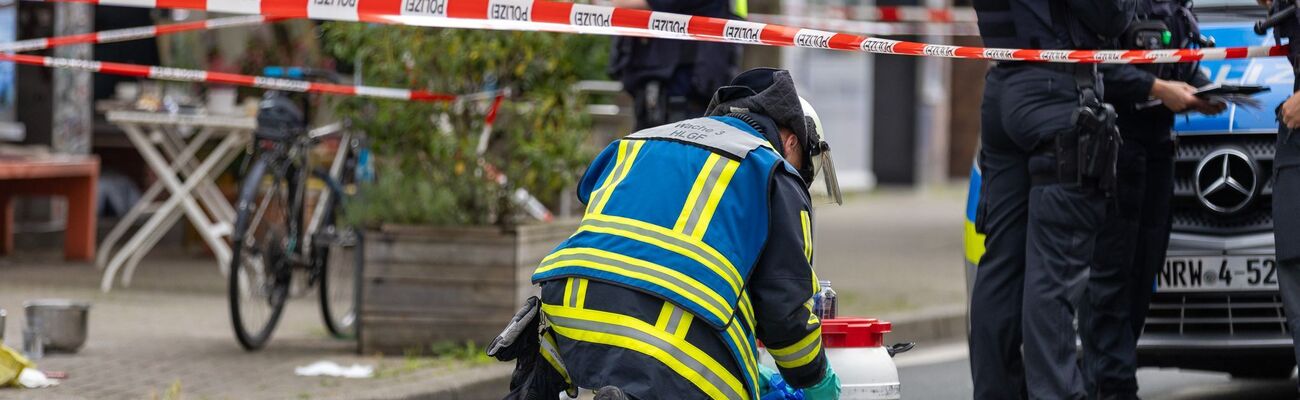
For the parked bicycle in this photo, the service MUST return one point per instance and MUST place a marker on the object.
(280, 249)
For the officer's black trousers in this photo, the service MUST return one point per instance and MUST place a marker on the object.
(1129, 253)
(1286, 227)
(1039, 243)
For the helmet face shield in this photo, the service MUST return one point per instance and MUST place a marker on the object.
(818, 155)
(824, 169)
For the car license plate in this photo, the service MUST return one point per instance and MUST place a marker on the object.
(1207, 274)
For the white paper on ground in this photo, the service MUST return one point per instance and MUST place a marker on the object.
(33, 379)
(330, 368)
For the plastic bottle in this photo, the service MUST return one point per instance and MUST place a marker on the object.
(826, 303)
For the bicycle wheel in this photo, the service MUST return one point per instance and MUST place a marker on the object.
(260, 266)
(337, 253)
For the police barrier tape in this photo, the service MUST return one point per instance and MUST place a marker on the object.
(550, 16)
(870, 27)
(144, 32)
(262, 82)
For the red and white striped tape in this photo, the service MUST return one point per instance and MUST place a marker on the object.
(542, 15)
(144, 32)
(870, 27)
(262, 82)
(888, 13)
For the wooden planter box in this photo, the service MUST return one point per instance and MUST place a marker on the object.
(424, 285)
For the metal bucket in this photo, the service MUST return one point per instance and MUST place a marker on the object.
(61, 323)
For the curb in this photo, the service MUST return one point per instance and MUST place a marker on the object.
(944, 324)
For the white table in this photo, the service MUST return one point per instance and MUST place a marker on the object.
(170, 145)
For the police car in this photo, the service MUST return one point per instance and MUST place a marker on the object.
(1216, 305)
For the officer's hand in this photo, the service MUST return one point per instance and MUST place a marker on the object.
(1290, 112)
(1209, 107)
(1177, 96)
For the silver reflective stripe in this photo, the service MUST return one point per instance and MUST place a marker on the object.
(792, 357)
(653, 341)
(674, 319)
(573, 292)
(709, 133)
(705, 193)
(689, 246)
(647, 271)
(550, 349)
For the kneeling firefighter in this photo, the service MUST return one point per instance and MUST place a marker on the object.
(696, 241)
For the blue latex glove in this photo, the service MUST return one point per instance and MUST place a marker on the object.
(771, 386)
(827, 389)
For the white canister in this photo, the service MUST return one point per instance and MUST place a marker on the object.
(855, 348)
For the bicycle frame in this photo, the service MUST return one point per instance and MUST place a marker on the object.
(335, 172)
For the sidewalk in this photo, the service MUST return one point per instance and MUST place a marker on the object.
(894, 252)
(170, 333)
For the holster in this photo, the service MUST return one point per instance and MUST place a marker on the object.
(1098, 148)
(539, 372)
(1087, 153)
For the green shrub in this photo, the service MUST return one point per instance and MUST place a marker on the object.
(425, 153)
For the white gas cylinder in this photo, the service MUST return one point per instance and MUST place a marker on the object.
(855, 348)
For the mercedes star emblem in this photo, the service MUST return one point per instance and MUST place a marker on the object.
(1226, 180)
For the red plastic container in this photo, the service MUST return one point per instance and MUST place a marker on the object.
(854, 332)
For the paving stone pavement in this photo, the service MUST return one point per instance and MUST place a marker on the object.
(171, 328)
(894, 251)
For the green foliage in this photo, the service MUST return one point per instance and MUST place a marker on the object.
(428, 170)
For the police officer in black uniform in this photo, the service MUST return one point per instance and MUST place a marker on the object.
(1135, 234)
(1286, 190)
(1286, 212)
(673, 80)
(1043, 198)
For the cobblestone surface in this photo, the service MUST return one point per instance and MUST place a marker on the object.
(171, 329)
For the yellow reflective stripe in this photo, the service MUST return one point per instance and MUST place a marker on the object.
(666, 239)
(696, 188)
(582, 294)
(738, 336)
(684, 326)
(551, 353)
(640, 269)
(674, 320)
(799, 354)
(569, 292)
(747, 309)
(634, 334)
(719, 189)
(807, 237)
(746, 353)
(599, 193)
(740, 8)
(974, 243)
(665, 313)
(621, 168)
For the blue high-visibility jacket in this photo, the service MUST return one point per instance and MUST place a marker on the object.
(680, 212)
